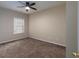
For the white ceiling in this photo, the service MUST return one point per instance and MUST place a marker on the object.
(40, 5)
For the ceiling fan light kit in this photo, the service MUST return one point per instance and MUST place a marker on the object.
(27, 8)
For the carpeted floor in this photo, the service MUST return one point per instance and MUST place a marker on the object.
(31, 48)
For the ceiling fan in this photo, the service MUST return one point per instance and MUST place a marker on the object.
(27, 5)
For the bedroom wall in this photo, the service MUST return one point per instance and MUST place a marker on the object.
(49, 25)
(6, 25)
(72, 19)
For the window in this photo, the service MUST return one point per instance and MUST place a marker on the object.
(18, 25)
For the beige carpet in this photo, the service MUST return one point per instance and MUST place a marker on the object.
(31, 48)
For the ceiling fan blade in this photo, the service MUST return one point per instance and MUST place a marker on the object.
(32, 4)
(33, 8)
(20, 6)
(27, 3)
(21, 2)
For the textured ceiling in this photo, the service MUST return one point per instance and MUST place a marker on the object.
(40, 5)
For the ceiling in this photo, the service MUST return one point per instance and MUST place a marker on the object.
(40, 5)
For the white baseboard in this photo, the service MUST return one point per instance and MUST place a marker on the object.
(9, 40)
(42, 39)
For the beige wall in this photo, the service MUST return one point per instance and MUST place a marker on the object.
(78, 26)
(6, 25)
(49, 25)
(71, 13)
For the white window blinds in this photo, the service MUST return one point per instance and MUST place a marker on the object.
(18, 25)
